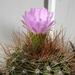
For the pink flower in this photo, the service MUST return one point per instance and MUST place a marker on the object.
(38, 20)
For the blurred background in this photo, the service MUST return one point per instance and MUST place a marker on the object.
(11, 12)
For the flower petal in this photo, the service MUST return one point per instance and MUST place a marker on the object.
(51, 24)
(34, 30)
(36, 14)
(43, 14)
(50, 15)
(43, 29)
(27, 20)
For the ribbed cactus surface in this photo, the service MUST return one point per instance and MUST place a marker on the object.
(22, 63)
(53, 56)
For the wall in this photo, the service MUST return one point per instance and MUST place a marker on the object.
(65, 15)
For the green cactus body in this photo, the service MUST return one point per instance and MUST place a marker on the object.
(21, 63)
(39, 55)
(37, 39)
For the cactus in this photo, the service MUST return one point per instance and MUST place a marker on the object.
(37, 39)
(38, 53)
(20, 65)
(52, 57)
